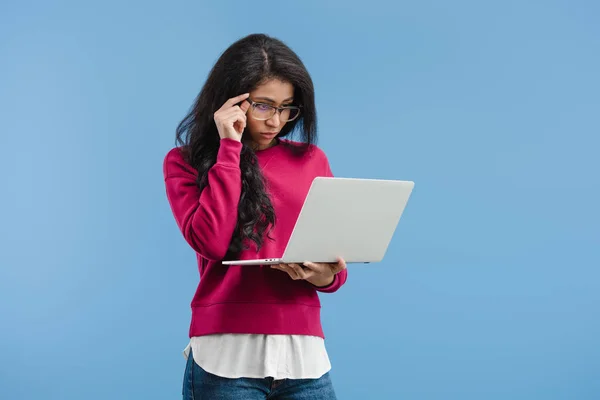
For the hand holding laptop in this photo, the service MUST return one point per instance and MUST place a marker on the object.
(341, 217)
(318, 274)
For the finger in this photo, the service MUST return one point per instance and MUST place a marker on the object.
(291, 272)
(231, 112)
(298, 271)
(313, 266)
(236, 119)
(245, 106)
(234, 100)
(285, 268)
(308, 273)
(237, 116)
(239, 125)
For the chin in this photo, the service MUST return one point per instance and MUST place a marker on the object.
(261, 141)
(265, 143)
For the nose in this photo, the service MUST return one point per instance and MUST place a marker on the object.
(274, 121)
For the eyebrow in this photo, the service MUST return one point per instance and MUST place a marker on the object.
(273, 101)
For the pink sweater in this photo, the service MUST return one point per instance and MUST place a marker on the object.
(248, 299)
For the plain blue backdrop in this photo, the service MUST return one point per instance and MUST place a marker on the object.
(491, 286)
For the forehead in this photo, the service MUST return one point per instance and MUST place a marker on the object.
(274, 89)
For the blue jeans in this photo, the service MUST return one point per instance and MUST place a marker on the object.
(201, 385)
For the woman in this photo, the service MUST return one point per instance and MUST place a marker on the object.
(236, 187)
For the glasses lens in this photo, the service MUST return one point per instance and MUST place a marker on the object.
(262, 111)
(290, 114)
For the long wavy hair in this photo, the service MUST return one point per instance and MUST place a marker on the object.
(245, 65)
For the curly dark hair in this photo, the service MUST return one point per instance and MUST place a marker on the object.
(245, 65)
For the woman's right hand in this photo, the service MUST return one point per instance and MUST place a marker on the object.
(231, 118)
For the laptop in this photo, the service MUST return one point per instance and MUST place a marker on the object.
(344, 217)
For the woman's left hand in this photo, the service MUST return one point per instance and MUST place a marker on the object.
(319, 274)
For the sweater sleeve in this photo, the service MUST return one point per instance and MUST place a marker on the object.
(340, 278)
(206, 218)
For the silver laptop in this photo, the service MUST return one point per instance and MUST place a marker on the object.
(351, 218)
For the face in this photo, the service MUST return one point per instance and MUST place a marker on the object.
(262, 134)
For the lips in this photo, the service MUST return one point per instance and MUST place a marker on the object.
(269, 134)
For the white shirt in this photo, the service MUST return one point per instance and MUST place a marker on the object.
(260, 356)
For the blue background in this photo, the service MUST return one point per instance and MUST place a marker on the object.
(491, 286)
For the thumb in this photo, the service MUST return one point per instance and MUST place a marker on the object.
(340, 266)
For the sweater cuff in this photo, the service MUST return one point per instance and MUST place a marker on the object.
(229, 152)
(332, 287)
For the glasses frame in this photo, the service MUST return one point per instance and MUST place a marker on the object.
(277, 110)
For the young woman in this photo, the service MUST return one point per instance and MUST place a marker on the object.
(236, 187)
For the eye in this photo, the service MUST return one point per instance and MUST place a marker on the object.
(263, 107)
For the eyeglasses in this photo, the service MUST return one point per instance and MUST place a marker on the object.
(263, 112)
